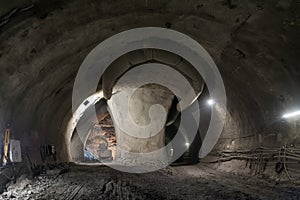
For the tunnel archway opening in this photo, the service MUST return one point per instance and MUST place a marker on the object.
(155, 94)
(191, 155)
(95, 142)
(101, 142)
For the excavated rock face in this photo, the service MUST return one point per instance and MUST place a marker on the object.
(254, 45)
(102, 139)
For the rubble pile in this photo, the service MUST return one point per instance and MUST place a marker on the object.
(183, 182)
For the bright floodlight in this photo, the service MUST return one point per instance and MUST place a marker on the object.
(210, 102)
(292, 114)
(187, 144)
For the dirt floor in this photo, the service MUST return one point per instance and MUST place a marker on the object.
(183, 182)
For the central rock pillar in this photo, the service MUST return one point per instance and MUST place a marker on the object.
(139, 116)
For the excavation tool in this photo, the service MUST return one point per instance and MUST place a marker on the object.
(6, 146)
(8, 153)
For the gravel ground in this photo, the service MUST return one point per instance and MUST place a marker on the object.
(184, 182)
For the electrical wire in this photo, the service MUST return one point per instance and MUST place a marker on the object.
(284, 164)
(261, 156)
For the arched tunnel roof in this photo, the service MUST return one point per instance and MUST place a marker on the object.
(43, 44)
(255, 46)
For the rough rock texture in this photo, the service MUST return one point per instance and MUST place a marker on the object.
(188, 182)
(138, 109)
(254, 43)
(102, 135)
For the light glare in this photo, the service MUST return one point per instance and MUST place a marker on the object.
(292, 114)
(210, 102)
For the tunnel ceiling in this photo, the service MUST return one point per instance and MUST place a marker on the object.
(43, 43)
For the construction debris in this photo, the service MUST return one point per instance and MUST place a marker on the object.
(185, 182)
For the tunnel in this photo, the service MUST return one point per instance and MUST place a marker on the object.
(146, 99)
